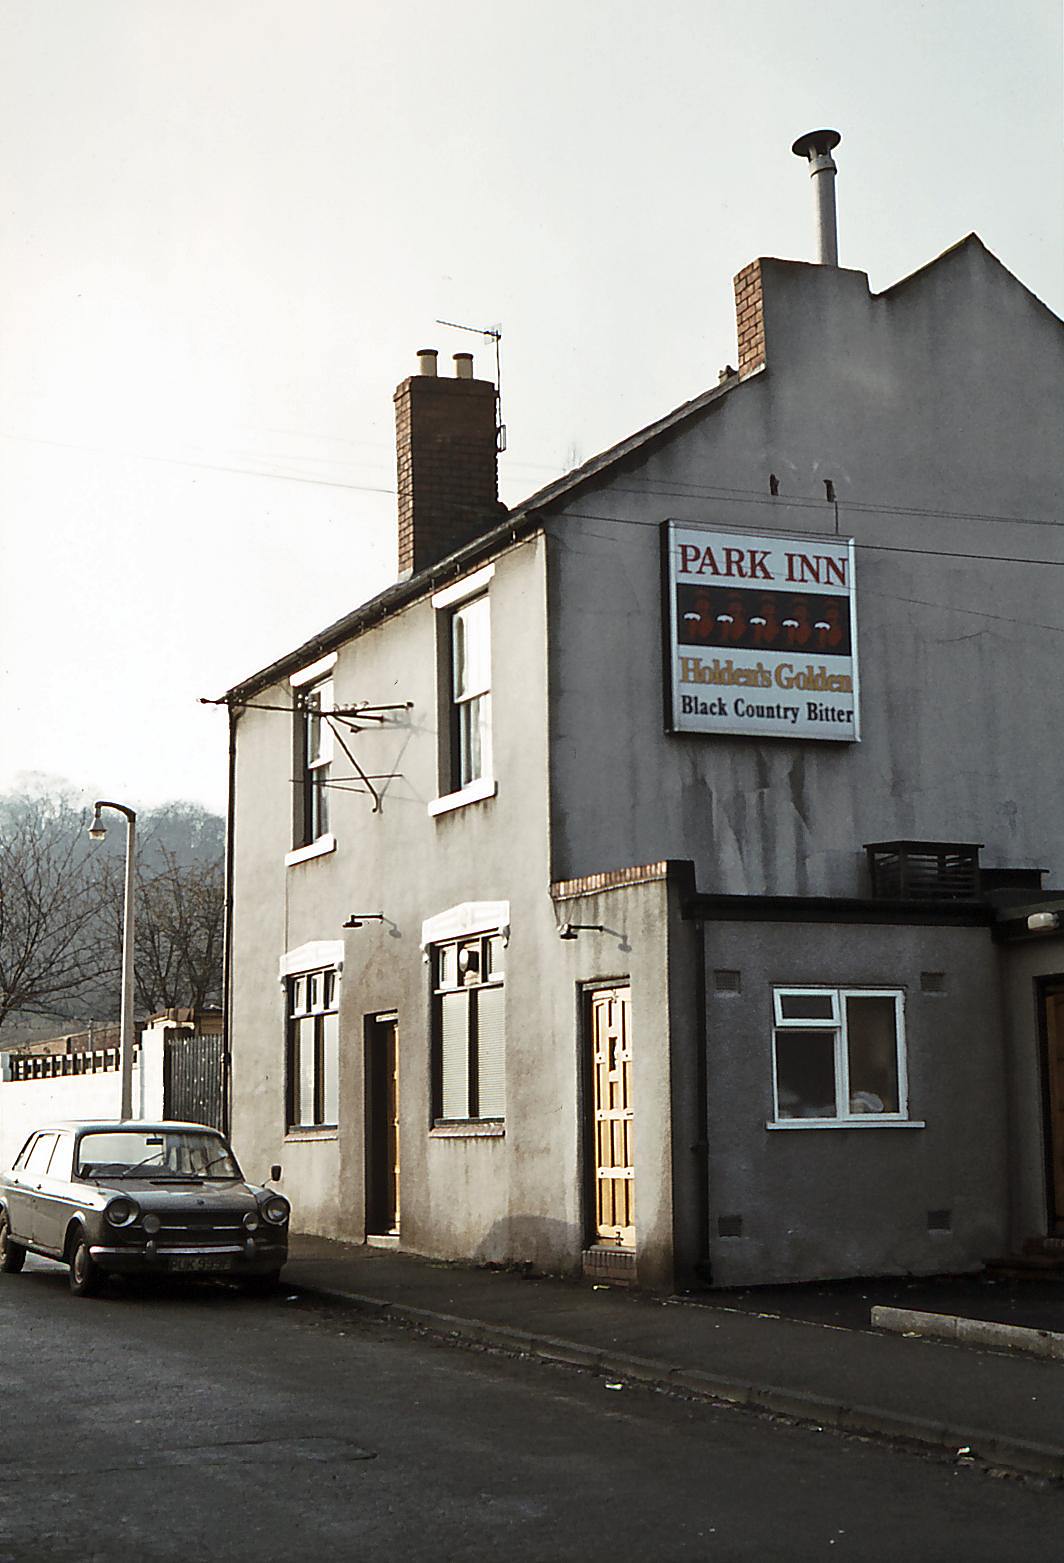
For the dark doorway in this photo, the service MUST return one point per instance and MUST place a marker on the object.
(1051, 992)
(382, 1126)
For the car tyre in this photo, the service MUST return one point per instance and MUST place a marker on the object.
(84, 1274)
(12, 1254)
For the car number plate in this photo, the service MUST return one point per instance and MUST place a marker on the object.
(200, 1262)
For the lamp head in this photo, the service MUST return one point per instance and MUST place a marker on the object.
(97, 828)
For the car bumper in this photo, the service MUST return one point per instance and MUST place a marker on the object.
(235, 1259)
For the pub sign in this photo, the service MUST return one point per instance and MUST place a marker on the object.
(762, 634)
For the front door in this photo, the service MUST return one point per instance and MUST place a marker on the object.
(612, 1126)
(382, 1126)
(1053, 1032)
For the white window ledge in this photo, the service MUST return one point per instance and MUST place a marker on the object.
(312, 849)
(311, 1136)
(476, 792)
(867, 1121)
(468, 1129)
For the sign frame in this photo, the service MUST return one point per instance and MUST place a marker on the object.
(680, 724)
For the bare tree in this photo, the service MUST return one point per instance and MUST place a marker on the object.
(180, 927)
(49, 907)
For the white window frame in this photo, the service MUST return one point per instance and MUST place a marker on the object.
(449, 980)
(455, 601)
(836, 1025)
(316, 766)
(313, 995)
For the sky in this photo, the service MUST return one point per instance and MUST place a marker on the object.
(226, 227)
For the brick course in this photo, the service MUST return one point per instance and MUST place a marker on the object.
(750, 319)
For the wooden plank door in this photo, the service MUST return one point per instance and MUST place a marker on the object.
(1053, 999)
(612, 1116)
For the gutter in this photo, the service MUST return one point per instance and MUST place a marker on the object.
(527, 519)
(836, 909)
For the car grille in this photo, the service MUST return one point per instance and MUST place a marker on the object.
(200, 1229)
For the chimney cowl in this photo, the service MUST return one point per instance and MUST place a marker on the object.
(463, 366)
(426, 360)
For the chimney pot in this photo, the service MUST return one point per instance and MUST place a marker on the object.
(463, 366)
(426, 360)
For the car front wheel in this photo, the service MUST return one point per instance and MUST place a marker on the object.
(12, 1254)
(84, 1275)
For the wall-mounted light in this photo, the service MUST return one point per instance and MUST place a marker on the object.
(1043, 922)
(570, 930)
(358, 918)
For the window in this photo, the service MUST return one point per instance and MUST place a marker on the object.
(469, 1019)
(39, 1157)
(314, 748)
(463, 671)
(839, 1055)
(470, 693)
(313, 1050)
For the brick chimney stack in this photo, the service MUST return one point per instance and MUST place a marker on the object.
(448, 463)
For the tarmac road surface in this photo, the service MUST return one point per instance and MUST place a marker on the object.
(194, 1423)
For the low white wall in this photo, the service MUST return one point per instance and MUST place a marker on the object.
(25, 1104)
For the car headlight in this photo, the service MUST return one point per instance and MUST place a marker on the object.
(151, 1225)
(251, 1221)
(276, 1209)
(122, 1212)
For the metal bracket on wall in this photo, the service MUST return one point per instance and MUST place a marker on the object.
(353, 720)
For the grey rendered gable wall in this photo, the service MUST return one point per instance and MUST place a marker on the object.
(929, 409)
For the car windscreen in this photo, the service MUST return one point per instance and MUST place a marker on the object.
(155, 1153)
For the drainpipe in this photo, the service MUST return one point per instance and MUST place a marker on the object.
(227, 934)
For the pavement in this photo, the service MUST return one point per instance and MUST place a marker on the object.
(824, 1365)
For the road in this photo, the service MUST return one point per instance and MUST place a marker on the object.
(163, 1423)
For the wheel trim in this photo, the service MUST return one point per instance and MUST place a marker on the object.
(81, 1263)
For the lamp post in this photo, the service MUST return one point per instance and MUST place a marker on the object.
(97, 830)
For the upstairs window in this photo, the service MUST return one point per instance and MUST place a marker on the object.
(469, 1026)
(315, 753)
(839, 1055)
(470, 693)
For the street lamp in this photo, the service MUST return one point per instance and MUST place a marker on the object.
(97, 831)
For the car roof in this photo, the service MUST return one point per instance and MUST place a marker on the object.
(103, 1125)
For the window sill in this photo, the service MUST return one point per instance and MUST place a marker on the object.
(476, 792)
(469, 1129)
(866, 1122)
(311, 1136)
(312, 849)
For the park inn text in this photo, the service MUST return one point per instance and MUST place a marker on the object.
(751, 564)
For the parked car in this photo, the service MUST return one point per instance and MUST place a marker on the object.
(139, 1199)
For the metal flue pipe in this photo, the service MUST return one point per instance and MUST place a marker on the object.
(818, 146)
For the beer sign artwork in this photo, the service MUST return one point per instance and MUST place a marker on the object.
(762, 634)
